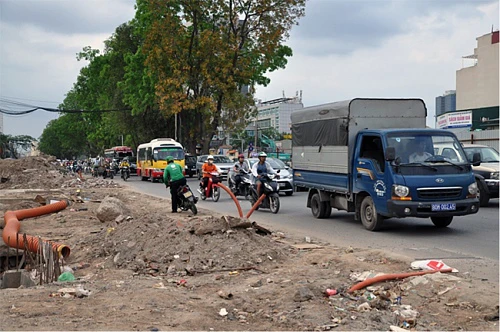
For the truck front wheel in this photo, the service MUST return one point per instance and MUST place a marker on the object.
(441, 222)
(369, 216)
(320, 209)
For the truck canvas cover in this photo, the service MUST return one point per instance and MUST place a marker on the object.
(335, 123)
(323, 136)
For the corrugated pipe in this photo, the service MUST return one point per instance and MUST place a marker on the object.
(12, 226)
(394, 276)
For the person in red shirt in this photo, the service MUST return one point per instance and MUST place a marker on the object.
(208, 168)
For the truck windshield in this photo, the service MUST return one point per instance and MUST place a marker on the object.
(163, 152)
(418, 148)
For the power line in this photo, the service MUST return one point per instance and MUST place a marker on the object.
(9, 105)
(40, 101)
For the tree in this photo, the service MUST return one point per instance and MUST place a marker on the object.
(65, 137)
(204, 52)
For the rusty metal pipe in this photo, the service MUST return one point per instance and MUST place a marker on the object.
(12, 226)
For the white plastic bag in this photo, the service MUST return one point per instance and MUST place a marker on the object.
(431, 264)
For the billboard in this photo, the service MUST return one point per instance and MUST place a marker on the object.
(455, 120)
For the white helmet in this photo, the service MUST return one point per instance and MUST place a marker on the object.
(210, 158)
(262, 154)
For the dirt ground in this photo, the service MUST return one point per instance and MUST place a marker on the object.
(153, 270)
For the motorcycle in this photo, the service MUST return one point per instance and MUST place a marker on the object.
(125, 173)
(269, 188)
(186, 199)
(107, 173)
(211, 190)
(243, 188)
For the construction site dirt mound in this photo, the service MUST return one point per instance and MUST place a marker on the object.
(170, 246)
(31, 172)
(44, 172)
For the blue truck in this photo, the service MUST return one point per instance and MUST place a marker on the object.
(376, 158)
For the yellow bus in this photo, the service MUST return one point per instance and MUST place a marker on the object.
(152, 157)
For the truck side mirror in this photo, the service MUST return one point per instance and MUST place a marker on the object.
(390, 153)
(476, 159)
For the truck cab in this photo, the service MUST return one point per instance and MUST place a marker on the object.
(396, 173)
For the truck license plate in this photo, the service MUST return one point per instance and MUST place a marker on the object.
(188, 194)
(444, 207)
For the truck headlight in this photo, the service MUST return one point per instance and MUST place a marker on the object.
(185, 167)
(400, 191)
(472, 188)
(494, 175)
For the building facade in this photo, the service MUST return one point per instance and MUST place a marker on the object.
(477, 84)
(275, 114)
(446, 103)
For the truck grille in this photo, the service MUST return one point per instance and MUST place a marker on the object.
(439, 194)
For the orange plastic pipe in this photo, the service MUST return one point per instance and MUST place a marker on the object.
(261, 198)
(12, 226)
(238, 206)
(394, 276)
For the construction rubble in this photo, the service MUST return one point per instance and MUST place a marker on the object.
(135, 266)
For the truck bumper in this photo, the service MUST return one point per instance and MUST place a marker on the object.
(403, 209)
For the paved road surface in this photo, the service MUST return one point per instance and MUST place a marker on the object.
(470, 243)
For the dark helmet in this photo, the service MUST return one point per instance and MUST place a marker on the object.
(241, 155)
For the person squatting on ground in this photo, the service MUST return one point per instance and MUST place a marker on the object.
(173, 177)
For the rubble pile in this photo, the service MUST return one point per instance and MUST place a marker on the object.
(168, 246)
(32, 172)
(89, 182)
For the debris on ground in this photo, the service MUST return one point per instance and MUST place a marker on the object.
(213, 272)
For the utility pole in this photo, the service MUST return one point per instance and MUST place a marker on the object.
(175, 126)
(256, 134)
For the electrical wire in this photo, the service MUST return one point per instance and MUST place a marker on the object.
(8, 107)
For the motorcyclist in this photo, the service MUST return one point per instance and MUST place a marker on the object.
(207, 169)
(240, 165)
(260, 169)
(173, 177)
(124, 163)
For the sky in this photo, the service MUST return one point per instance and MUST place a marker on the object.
(342, 49)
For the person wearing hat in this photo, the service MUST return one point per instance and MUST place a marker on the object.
(260, 169)
(240, 165)
(207, 169)
(173, 177)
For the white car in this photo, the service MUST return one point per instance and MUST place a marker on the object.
(487, 172)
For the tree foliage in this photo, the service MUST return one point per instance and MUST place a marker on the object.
(196, 62)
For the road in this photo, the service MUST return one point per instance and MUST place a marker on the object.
(470, 243)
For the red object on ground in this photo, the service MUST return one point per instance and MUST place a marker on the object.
(394, 276)
(12, 226)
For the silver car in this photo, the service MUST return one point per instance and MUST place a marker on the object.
(285, 181)
(223, 162)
